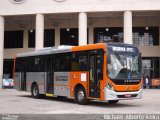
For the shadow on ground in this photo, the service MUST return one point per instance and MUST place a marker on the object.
(90, 103)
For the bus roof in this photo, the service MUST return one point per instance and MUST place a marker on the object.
(47, 50)
(62, 49)
(65, 48)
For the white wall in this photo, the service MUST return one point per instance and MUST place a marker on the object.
(150, 51)
(51, 6)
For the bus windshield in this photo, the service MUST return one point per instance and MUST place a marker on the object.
(124, 66)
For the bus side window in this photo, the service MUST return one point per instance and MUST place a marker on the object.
(75, 64)
(39, 63)
(67, 63)
(35, 64)
(31, 64)
(79, 61)
(63, 62)
(24, 62)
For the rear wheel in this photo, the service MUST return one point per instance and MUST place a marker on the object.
(113, 101)
(80, 96)
(35, 91)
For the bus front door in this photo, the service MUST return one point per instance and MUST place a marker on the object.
(49, 76)
(95, 61)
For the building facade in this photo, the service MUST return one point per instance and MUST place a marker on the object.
(28, 25)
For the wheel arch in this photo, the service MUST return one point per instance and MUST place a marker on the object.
(78, 86)
(78, 99)
(33, 83)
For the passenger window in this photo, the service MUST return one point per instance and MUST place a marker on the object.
(36, 64)
(63, 62)
(79, 61)
(39, 63)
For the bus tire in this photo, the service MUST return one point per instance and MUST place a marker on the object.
(35, 91)
(113, 101)
(80, 96)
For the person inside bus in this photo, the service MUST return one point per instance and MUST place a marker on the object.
(82, 63)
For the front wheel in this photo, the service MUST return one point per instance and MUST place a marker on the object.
(35, 91)
(80, 96)
(113, 101)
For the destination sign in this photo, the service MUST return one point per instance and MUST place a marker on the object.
(122, 49)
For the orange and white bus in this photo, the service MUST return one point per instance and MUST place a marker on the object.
(104, 71)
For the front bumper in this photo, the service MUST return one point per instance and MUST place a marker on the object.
(113, 95)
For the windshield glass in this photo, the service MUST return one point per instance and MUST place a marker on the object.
(123, 66)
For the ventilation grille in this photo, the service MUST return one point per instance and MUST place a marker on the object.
(17, 1)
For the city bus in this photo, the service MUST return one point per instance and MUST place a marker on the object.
(104, 72)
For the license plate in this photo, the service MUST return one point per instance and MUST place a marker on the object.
(127, 95)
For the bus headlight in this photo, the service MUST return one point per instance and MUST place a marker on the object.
(141, 86)
(109, 86)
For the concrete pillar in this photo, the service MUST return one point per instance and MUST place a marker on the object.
(82, 28)
(39, 31)
(91, 34)
(57, 37)
(1, 48)
(159, 37)
(128, 27)
(25, 39)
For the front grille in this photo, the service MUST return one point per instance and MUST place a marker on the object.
(126, 82)
(123, 96)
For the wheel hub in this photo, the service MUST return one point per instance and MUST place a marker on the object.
(80, 95)
(35, 91)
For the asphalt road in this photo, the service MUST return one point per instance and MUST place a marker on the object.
(12, 101)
